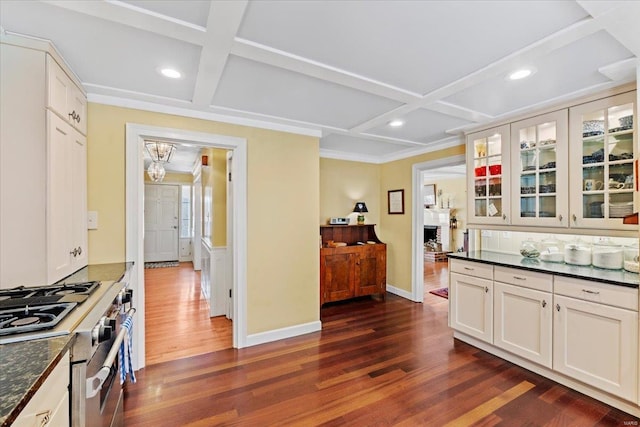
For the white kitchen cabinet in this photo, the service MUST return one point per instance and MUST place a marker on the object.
(603, 141)
(594, 341)
(571, 168)
(42, 173)
(523, 322)
(65, 98)
(540, 171)
(488, 172)
(66, 198)
(471, 305)
(49, 406)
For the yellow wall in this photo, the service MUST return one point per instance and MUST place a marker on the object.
(214, 181)
(343, 183)
(172, 178)
(283, 174)
(395, 230)
(454, 190)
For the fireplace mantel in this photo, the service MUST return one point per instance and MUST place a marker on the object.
(440, 218)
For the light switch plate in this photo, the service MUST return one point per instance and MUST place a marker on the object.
(92, 220)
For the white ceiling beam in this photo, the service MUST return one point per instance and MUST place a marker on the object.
(457, 111)
(620, 18)
(288, 61)
(538, 49)
(142, 19)
(222, 25)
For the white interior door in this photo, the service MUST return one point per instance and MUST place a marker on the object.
(161, 204)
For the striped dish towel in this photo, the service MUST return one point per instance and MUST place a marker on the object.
(125, 354)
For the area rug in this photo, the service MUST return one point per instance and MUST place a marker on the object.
(161, 264)
(441, 292)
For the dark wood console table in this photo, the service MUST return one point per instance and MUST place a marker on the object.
(357, 269)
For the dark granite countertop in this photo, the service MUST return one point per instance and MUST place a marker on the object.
(24, 366)
(99, 272)
(612, 277)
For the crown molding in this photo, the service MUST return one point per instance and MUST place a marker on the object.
(185, 112)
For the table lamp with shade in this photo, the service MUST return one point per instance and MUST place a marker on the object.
(361, 208)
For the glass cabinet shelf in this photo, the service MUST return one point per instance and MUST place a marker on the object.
(604, 133)
(540, 145)
(488, 160)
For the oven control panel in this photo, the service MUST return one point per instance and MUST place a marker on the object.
(103, 331)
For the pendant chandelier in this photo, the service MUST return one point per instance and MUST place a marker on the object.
(156, 171)
(161, 153)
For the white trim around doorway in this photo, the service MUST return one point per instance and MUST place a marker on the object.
(417, 281)
(134, 184)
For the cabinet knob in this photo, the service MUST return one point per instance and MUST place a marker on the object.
(486, 289)
(574, 218)
(74, 116)
(504, 217)
(544, 303)
(43, 417)
(74, 252)
(79, 250)
(558, 307)
(560, 218)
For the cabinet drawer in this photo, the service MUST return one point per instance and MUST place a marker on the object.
(48, 397)
(528, 279)
(617, 296)
(475, 269)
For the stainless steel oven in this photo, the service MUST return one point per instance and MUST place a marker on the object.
(96, 392)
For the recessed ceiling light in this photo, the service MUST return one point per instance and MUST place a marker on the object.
(396, 123)
(521, 74)
(171, 73)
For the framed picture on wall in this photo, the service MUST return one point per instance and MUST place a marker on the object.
(429, 195)
(395, 202)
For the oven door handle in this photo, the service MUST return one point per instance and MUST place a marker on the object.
(94, 383)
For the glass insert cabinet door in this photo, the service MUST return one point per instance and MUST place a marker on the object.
(603, 168)
(539, 150)
(488, 176)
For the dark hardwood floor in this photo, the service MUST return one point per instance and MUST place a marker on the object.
(375, 363)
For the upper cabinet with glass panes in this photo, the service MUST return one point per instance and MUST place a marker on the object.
(539, 175)
(573, 168)
(487, 175)
(603, 144)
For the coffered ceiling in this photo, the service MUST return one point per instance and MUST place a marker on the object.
(341, 70)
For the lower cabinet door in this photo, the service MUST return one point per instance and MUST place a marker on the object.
(337, 273)
(370, 270)
(471, 306)
(597, 344)
(523, 320)
(60, 415)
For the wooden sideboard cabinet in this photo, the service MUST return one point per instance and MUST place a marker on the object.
(357, 269)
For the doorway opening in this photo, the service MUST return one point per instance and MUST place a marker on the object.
(199, 321)
(135, 137)
(433, 225)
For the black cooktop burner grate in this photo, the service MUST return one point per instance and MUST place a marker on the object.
(32, 318)
(63, 293)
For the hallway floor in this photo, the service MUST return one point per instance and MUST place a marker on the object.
(177, 318)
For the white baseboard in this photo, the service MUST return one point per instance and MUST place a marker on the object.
(400, 292)
(283, 333)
